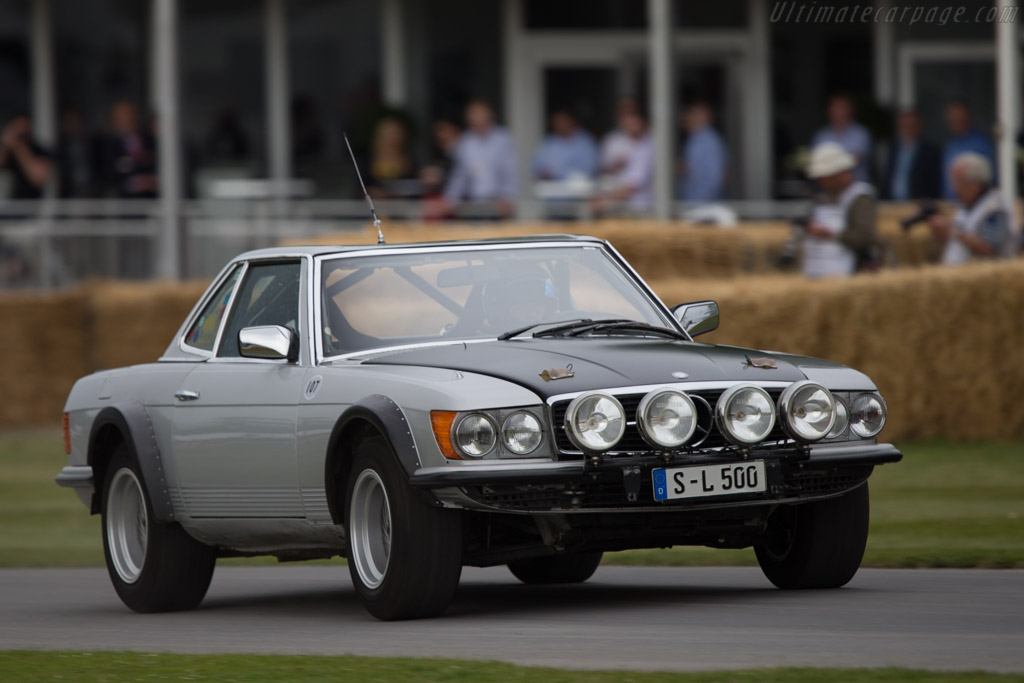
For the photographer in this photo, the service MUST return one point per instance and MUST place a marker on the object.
(981, 228)
(840, 235)
(28, 162)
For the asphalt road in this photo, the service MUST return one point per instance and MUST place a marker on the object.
(633, 618)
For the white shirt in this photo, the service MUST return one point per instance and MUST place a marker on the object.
(980, 219)
(827, 256)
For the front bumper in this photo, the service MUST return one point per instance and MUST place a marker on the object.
(624, 483)
(76, 477)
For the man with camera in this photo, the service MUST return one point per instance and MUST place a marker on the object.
(840, 234)
(982, 226)
(28, 163)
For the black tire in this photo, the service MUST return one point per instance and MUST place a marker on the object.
(568, 568)
(816, 545)
(423, 560)
(175, 568)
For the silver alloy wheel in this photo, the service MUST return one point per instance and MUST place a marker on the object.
(370, 528)
(127, 525)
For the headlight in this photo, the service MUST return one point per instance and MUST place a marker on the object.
(745, 414)
(842, 421)
(521, 433)
(808, 411)
(595, 421)
(667, 418)
(867, 415)
(475, 435)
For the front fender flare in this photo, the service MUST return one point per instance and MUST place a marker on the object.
(387, 418)
(132, 420)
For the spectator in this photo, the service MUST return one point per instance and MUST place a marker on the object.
(981, 228)
(391, 167)
(616, 146)
(568, 150)
(127, 157)
(850, 135)
(227, 140)
(963, 137)
(28, 162)
(74, 156)
(485, 168)
(703, 157)
(841, 231)
(632, 185)
(914, 170)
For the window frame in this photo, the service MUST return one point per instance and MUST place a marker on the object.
(239, 266)
(301, 314)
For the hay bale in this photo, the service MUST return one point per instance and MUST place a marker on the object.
(42, 352)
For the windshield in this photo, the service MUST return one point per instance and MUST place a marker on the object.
(393, 299)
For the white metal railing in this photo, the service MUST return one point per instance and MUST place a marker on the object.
(52, 243)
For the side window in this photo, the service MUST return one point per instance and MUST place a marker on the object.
(203, 333)
(269, 295)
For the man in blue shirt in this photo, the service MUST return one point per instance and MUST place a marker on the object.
(850, 135)
(485, 163)
(914, 170)
(963, 137)
(567, 150)
(704, 157)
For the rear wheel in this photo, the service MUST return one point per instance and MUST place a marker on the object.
(154, 566)
(569, 568)
(816, 545)
(404, 555)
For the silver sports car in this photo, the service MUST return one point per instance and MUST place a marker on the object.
(417, 408)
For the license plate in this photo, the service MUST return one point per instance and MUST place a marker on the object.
(707, 481)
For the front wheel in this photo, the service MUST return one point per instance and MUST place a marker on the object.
(816, 545)
(404, 555)
(569, 568)
(154, 566)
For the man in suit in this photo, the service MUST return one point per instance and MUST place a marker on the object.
(914, 170)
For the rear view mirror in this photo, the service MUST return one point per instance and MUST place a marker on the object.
(269, 342)
(697, 317)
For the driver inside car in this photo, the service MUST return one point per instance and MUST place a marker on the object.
(524, 297)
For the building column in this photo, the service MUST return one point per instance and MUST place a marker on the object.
(662, 104)
(44, 108)
(884, 61)
(394, 75)
(278, 94)
(519, 98)
(757, 105)
(169, 170)
(1008, 101)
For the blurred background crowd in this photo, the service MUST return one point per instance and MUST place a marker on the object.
(489, 111)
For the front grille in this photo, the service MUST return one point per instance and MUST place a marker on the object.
(633, 443)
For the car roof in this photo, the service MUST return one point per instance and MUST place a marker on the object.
(327, 249)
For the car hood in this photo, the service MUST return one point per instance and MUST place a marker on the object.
(596, 363)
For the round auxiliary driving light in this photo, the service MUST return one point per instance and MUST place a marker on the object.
(595, 421)
(475, 435)
(808, 411)
(745, 414)
(521, 432)
(867, 415)
(842, 421)
(667, 418)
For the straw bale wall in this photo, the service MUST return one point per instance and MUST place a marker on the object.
(943, 345)
(660, 250)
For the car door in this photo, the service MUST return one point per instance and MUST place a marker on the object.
(235, 418)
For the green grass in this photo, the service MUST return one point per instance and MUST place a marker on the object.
(123, 666)
(945, 505)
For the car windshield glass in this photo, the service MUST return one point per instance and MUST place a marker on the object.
(392, 299)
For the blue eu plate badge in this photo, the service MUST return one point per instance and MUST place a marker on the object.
(660, 485)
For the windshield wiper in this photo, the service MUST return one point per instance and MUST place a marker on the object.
(626, 326)
(580, 325)
(504, 336)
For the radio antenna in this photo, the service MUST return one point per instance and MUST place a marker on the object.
(373, 209)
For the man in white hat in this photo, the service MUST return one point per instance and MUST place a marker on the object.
(841, 230)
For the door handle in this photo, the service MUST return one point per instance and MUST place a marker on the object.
(186, 395)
